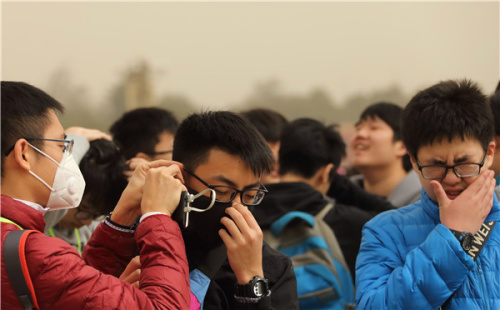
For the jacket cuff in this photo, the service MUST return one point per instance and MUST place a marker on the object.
(115, 226)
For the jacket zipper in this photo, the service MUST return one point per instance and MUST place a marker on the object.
(483, 282)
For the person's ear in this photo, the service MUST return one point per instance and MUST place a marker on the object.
(22, 154)
(490, 152)
(326, 172)
(414, 163)
(497, 142)
(400, 148)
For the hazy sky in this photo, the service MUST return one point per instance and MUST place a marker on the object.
(215, 53)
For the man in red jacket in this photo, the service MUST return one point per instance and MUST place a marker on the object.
(39, 174)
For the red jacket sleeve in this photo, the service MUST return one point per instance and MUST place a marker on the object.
(62, 280)
(109, 250)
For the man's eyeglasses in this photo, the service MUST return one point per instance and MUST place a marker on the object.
(67, 147)
(85, 215)
(249, 197)
(461, 170)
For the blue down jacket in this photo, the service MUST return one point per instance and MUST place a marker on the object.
(408, 260)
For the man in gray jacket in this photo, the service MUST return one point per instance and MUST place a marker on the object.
(381, 157)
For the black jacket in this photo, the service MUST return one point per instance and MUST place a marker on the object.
(346, 221)
(278, 270)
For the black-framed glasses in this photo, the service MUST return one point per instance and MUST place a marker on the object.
(67, 147)
(461, 170)
(249, 197)
(86, 215)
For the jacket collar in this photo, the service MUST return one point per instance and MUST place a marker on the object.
(22, 214)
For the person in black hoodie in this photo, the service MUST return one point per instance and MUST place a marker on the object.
(223, 153)
(310, 153)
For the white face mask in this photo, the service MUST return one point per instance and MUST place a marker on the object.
(67, 189)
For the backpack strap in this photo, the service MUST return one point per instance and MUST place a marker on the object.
(280, 224)
(321, 214)
(329, 235)
(15, 263)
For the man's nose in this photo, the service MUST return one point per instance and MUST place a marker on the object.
(451, 177)
(237, 199)
(361, 132)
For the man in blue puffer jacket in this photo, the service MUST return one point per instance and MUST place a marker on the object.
(444, 250)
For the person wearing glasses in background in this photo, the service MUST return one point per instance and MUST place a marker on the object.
(230, 265)
(444, 250)
(144, 134)
(103, 168)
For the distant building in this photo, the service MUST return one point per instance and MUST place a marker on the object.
(138, 88)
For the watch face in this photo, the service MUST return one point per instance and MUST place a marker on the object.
(258, 288)
(467, 242)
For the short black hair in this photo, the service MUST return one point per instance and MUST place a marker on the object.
(268, 122)
(447, 110)
(390, 113)
(138, 130)
(25, 114)
(227, 131)
(495, 108)
(103, 168)
(307, 145)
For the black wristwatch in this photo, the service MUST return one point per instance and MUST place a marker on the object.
(256, 288)
(465, 239)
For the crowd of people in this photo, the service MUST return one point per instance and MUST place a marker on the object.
(228, 210)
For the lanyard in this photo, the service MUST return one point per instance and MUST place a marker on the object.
(78, 242)
(5, 220)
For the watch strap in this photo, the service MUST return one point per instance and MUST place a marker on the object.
(465, 239)
(473, 244)
(248, 291)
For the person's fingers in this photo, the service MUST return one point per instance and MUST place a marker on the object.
(487, 198)
(162, 190)
(476, 186)
(135, 162)
(232, 228)
(172, 170)
(486, 178)
(102, 135)
(440, 194)
(132, 265)
(132, 270)
(134, 276)
(238, 218)
(247, 215)
(128, 173)
(88, 133)
(164, 162)
(226, 238)
(177, 166)
(485, 192)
